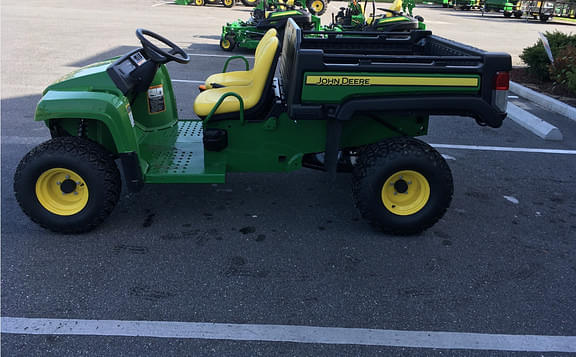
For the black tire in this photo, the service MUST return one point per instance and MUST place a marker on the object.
(444, 5)
(199, 2)
(90, 161)
(507, 14)
(381, 162)
(544, 18)
(227, 44)
(518, 14)
(317, 7)
(250, 3)
(228, 3)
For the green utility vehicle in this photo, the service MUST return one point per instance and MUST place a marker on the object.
(444, 3)
(508, 8)
(357, 100)
(467, 4)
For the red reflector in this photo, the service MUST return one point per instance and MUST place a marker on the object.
(502, 81)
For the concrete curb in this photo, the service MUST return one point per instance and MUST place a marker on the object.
(544, 101)
(536, 125)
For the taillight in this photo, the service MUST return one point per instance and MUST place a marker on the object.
(502, 81)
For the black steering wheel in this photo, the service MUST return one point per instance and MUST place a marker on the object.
(395, 13)
(159, 55)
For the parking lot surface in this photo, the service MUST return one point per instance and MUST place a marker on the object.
(285, 249)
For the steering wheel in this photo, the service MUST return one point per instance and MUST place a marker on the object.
(395, 13)
(159, 55)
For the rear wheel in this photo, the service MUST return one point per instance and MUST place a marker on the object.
(402, 185)
(518, 14)
(507, 14)
(228, 3)
(67, 184)
(317, 7)
(544, 18)
(199, 2)
(227, 43)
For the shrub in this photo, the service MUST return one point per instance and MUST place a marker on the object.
(536, 58)
(563, 70)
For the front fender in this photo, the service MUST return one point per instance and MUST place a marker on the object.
(109, 109)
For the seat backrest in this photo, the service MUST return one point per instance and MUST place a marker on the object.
(263, 64)
(267, 36)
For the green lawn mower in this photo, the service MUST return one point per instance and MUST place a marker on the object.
(354, 18)
(226, 3)
(266, 16)
(357, 99)
(508, 8)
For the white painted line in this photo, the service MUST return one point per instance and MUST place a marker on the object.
(163, 3)
(504, 149)
(533, 123)
(448, 157)
(513, 96)
(544, 101)
(187, 81)
(289, 333)
(211, 55)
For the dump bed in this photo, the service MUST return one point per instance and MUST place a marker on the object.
(338, 75)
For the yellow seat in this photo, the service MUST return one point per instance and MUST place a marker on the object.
(250, 93)
(239, 78)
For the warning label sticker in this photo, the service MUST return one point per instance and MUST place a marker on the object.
(156, 103)
(129, 110)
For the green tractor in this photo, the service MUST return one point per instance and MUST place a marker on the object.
(508, 8)
(467, 4)
(340, 103)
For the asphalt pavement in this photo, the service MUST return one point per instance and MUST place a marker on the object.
(281, 249)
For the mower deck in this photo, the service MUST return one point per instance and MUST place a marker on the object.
(176, 155)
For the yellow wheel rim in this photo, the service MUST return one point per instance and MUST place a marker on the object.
(62, 191)
(228, 2)
(225, 44)
(406, 192)
(317, 5)
(199, 2)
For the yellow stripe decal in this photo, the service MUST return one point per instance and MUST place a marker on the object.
(284, 13)
(391, 81)
(392, 19)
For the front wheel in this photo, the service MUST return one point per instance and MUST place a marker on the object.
(544, 18)
(67, 184)
(317, 7)
(228, 3)
(199, 2)
(518, 14)
(507, 14)
(227, 43)
(402, 185)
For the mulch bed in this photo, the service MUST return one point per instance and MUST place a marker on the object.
(521, 75)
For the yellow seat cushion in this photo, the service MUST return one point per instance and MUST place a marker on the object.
(250, 93)
(239, 78)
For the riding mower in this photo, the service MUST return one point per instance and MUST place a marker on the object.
(361, 97)
(353, 18)
(226, 3)
(507, 7)
(266, 15)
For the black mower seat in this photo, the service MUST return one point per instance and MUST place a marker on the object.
(251, 94)
(239, 78)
